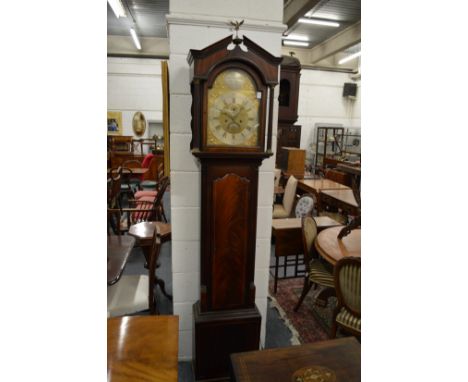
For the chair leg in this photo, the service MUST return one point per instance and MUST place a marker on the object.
(161, 284)
(305, 290)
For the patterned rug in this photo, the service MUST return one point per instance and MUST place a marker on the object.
(310, 323)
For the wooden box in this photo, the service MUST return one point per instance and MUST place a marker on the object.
(293, 161)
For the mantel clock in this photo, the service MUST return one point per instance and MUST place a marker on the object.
(232, 85)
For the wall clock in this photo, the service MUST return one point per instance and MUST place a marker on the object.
(232, 89)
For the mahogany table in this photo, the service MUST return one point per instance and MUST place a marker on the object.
(118, 251)
(144, 231)
(333, 249)
(336, 360)
(343, 199)
(288, 241)
(142, 348)
(135, 171)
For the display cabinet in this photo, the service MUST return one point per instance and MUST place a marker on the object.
(329, 141)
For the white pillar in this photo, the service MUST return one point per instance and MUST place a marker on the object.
(195, 24)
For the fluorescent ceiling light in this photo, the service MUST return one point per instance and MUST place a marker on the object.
(296, 37)
(349, 58)
(295, 43)
(117, 7)
(319, 22)
(135, 38)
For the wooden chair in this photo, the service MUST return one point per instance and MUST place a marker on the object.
(317, 273)
(347, 279)
(145, 208)
(284, 210)
(136, 293)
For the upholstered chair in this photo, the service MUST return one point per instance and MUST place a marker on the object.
(304, 206)
(284, 210)
(347, 279)
(317, 273)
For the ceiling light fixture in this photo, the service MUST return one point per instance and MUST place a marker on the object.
(295, 43)
(319, 22)
(135, 38)
(296, 37)
(117, 7)
(349, 58)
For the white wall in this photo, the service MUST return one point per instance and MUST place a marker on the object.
(195, 25)
(134, 84)
(321, 101)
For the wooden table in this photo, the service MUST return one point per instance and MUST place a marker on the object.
(142, 348)
(144, 231)
(315, 186)
(118, 251)
(288, 240)
(341, 357)
(135, 171)
(333, 249)
(343, 199)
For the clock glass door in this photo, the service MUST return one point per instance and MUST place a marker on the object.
(233, 110)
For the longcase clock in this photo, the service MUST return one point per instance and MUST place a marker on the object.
(232, 85)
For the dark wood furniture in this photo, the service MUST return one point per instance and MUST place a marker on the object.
(288, 134)
(226, 319)
(333, 249)
(342, 199)
(341, 356)
(144, 231)
(118, 251)
(142, 348)
(288, 242)
(292, 161)
(132, 171)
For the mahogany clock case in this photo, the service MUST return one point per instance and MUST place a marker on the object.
(226, 319)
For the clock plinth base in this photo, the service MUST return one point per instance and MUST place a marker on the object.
(217, 335)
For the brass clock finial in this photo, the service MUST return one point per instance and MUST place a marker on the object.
(292, 54)
(236, 24)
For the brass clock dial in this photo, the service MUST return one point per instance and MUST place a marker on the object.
(233, 110)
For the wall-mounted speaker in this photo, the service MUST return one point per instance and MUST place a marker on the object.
(349, 89)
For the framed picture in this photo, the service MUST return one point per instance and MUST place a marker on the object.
(114, 123)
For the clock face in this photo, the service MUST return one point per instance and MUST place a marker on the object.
(233, 110)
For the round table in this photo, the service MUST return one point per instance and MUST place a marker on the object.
(333, 249)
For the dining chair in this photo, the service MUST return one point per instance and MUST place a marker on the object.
(317, 273)
(153, 176)
(284, 209)
(145, 208)
(136, 293)
(347, 279)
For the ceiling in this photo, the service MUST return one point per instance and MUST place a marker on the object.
(148, 19)
(345, 12)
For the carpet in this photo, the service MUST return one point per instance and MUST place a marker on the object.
(310, 323)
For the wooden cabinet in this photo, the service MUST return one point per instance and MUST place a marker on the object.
(288, 136)
(292, 161)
